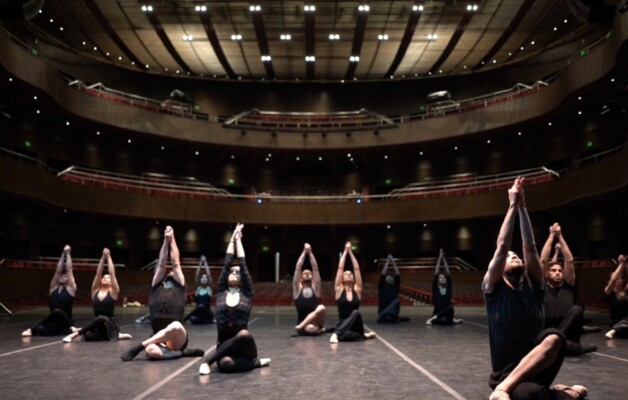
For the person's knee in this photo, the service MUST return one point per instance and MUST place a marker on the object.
(226, 364)
(243, 333)
(175, 326)
(320, 308)
(552, 342)
(153, 351)
(577, 309)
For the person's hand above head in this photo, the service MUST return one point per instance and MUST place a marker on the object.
(168, 233)
(106, 252)
(558, 247)
(556, 228)
(67, 248)
(621, 259)
(203, 259)
(348, 246)
(307, 248)
(390, 256)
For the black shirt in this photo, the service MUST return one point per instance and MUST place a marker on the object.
(387, 292)
(557, 302)
(166, 305)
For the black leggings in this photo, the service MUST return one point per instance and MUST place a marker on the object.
(351, 329)
(200, 315)
(535, 387)
(56, 323)
(621, 328)
(444, 316)
(238, 354)
(102, 328)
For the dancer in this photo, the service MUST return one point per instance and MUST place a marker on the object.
(105, 292)
(560, 309)
(524, 357)
(61, 298)
(202, 313)
(617, 295)
(348, 287)
(443, 313)
(306, 291)
(235, 347)
(388, 294)
(166, 304)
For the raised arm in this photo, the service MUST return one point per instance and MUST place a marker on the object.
(111, 269)
(569, 270)
(98, 276)
(504, 241)
(392, 260)
(223, 279)
(441, 255)
(210, 281)
(202, 263)
(246, 283)
(385, 268)
(160, 268)
(316, 275)
(356, 272)
(175, 260)
(340, 271)
(296, 279)
(69, 271)
(546, 251)
(619, 272)
(531, 258)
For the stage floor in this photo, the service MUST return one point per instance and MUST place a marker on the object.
(407, 361)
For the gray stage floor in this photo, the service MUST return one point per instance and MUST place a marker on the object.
(406, 361)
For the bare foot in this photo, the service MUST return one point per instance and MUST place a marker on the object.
(499, 395)
(572, 392)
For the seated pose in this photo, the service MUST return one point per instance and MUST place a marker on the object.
(617, 295)
(524, 357)
(105, 292)
(348, 295)
(202, 313)
(388, 294)
(61, 298)
(441, 296)
(561, 312)
(166, 304)
(306, 291)
(235, 347)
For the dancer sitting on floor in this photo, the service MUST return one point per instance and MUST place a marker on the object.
(202, 313)
(617, 296)
(388, 294)
(61, 298)
(306, 291)
(166, 304)
(561, 310)
(105, 292)
(443, 313)
(348, 287)
(235, 347)
(524, 357)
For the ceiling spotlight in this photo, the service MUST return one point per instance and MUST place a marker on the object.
(236, 36)
(364, 8)
(310, 58)
(147, 8)
(334, 36)
(188, 38)
(286, 36)
(266, 58)
(200, 8)
(432, 36)
(472, 7)
(382, 36)
(309, 8)
(417, 7)
(354, 59)
(255, 8)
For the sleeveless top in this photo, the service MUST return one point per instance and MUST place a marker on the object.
(345, 307)
(62, 300)
(103, 307)
(305, 305)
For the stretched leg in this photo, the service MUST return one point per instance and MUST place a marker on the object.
(169, 342)
(351, 329)
(237, 354)
(313, 322)
(571, 326)
(390, 313)
(92, 331)
(56, 323)
(540, 365)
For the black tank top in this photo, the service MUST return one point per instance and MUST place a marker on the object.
(103, 307)
(62, 300)
(305, 305)
(346, 307)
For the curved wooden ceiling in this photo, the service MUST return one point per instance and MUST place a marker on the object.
(230, 38)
